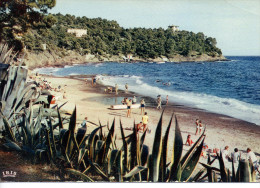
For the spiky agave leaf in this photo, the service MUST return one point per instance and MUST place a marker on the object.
(133, 149)
(164, 153)
(101, 137)
(177, 152)
(187, 156)
(60, 121)
(223, 170)
(111, 160)
(52, 137)
(244, 171)
(96, 167)
(91, 144)
(253, 172)
(12, 145)
(106, 145)
(82, 152)
(72, 124)
(156, 152)
(144, 155)
(119, 166)
(134, 171)
(198, 175)
(125, 148)
(8, 128)
(192, 163)
(41, 155)
(142, 139)
(79, 174)
(81, 136)
(210, 170)
(48, 143)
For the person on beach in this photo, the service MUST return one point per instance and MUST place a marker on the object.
(159, 102)
(84, 123)
(116, 89)
(124, 101)
(200, 126)
(189, 142)
(139, 126)
(64, 95)
(129, 104)
(126, 87)
(251, 156)
(134, 100)
(235, 156)
(142, 106)
(145, 121)
(59, 88)
(167, 100)
(197, 126)
(93, 81)
(225, 155)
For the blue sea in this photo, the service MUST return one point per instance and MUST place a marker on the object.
(226, 87)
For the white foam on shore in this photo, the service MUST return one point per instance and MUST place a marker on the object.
(47, 70)
(72, 74)
(68, 66)
(226, 106)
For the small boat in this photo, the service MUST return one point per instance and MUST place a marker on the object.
(122, 107)
(160, 62)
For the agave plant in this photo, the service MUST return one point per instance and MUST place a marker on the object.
(85, 155)
(26, 127)
(15, 92)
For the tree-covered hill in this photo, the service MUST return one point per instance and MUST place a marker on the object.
(106, 37)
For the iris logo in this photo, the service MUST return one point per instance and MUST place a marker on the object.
(8, 173)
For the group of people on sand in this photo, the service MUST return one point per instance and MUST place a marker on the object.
(142, 126)
(159, 101)
(129, 102)
(199, 126)
(227, 157)
(236, 156)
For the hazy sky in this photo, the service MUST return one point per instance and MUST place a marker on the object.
(234, 23)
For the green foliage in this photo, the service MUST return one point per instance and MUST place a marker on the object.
(17, 16)
(107, 37)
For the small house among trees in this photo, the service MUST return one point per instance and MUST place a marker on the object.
(78, 32)
(174, 28)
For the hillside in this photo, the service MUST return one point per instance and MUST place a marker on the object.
(106, 41)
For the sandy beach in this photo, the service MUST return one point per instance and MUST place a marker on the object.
(94, 102)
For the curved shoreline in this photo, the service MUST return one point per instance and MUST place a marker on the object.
(222, 130)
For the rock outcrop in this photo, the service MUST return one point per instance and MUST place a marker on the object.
(47, 58)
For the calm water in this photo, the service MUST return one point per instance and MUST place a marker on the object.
(231, 88)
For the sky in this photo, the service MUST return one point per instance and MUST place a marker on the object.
(234, 23)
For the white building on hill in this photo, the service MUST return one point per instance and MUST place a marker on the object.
(174, 28)
(78, 32)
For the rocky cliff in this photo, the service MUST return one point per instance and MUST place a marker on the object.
(46, 58)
